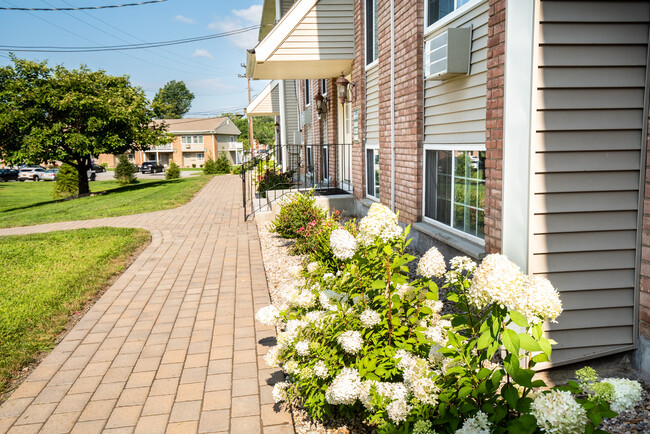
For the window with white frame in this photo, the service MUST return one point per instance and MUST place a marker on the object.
(454, 187)
(200, 156)
(372, 40)
(323, 86)
(372, 171)
(188, 140)
(438, 9)
(232, 138)
(307, 97)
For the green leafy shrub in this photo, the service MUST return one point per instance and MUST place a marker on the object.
(210, 167)
(104, 165)
(297, 211)
(362, 338)
(125, 171)
(222, 165)
(309, 238)
(173, 171)
(236, 169)
(272, 179)
(67, 182)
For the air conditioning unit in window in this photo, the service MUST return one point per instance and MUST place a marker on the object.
(447, 55)
(297, 138)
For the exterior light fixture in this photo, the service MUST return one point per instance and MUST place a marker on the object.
(321, 103)
(342, 86)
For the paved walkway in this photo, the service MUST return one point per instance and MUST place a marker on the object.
(173, 345)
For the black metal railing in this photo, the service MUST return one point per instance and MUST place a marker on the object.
(285, 169)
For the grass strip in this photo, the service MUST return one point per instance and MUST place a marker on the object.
(31, 203)
(44, 278)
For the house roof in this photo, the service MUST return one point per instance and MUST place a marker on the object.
(218, 125)
(267, 103)
(314, 39)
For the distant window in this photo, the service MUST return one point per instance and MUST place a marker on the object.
(372, 171)
(372, 41)
(200, 156)
(232, 138)
(307, 97)
(323, 86)
(188, 140)
(454, 188)
(438, 9)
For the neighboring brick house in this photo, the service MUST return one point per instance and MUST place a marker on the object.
(516, 127)
(195, 140)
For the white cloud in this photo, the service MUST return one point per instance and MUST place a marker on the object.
(209, 84)
(238, 19)
(200, 52)
(252, 15)
(183, 19)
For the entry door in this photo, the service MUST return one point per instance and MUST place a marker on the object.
(344, 151)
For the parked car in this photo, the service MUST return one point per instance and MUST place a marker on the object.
(91, 175)
(8, 175)
(151, 167)
(50, 175)
(33, 173)
(98, 169)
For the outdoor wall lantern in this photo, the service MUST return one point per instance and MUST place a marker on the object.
(342, 85)
(321, 103)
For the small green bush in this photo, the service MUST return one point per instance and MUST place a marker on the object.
(193, 164)
(173, 172)
(104, 165)
(223, 163)
(67, 182)
(210, 167)
(125, 171)
(297, 212)
(236, 170)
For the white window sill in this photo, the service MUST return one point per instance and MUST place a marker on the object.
(372, 65)
(444, 21)
(470, 248)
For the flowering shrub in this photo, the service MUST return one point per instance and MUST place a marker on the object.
(362, 338)
(310, 237)
(297, 211)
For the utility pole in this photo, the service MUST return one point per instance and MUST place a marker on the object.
(251, 141)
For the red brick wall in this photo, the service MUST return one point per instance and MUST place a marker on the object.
(494, 126)
(644, 302)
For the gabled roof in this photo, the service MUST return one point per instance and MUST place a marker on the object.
(267, 103)
(218, 125)
(314, 39)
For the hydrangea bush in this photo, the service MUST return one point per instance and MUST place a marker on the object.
(359, 337)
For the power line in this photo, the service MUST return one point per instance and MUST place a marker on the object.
(82, 8)
(51, 49)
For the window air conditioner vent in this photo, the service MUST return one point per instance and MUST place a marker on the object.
(447, 55)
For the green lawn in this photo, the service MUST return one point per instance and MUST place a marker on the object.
(31, 203)
(44, 278)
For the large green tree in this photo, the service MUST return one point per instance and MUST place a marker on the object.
(55, 114)
(263, 128)
(172, 101)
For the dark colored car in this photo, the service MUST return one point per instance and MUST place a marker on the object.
(8, 175)
(151, 167)
(98, 169)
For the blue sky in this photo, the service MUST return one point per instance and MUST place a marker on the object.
(208, 68)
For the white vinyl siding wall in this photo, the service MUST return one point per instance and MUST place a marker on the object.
(372, 105)
(326, 32)
(454, 109)
(586, 162)
(290, 114)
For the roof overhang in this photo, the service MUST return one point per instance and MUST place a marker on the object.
(314, 39)
(267, 103)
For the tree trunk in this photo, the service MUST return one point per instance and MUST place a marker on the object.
(82, 169)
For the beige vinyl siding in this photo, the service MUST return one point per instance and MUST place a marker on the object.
(326, 32)
(285, 5)
(586, 164)
(291, 111)
(454, 109)
(271, 103)
(372, 105)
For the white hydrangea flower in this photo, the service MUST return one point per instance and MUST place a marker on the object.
(557, 412)
(365, 395)
(460, 266)
(398, 410)
(320, 369)
(269, 315)
(328, 276)
(302, 348)
(497, 280)
(291, 367)
(345, 387)
(423, 427)
(294, 271)
(380, 222)
(627, 393)
(343, 244)
(312, 266)
(435, 357)
(539, 301)
(392, 391)
(305, 299)
(425, 390)
(272, 357)
(435, 305)
(351, 341)
(369, 318)
(438, 333)
(293, 326)
(402, 290)
(432, 264)
(315, 317)
(306, 373)
(404, 359)
(280, 391)
(478, 424)
(329, 299)
(360, 298)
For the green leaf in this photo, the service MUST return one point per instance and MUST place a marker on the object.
(518, 318)
(484, 340)
(510, 394)
(511, 341)
(540, 358)
(528, 343)
(484, 372)
(378, 284)
(464, 391)
(545, 346)
(524, 377)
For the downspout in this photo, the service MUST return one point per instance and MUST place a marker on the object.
(392, 105)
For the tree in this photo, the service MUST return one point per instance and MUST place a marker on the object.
(263, 128)
(125, 171)
(55, 114)
(172, 101)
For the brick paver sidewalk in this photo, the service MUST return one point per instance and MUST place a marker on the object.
(173, 345)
